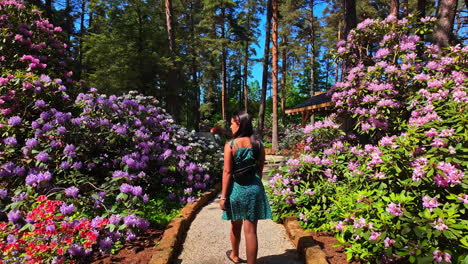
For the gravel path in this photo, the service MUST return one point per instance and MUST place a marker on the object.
(208, 240)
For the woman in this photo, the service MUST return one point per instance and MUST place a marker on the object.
(243, 198)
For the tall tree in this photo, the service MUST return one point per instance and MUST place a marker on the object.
(284, 75)
(223, 67)
(312, 48)
(172, 90)
(350, 19)
(443, 32)
(274, 53)
(266, 56)
(394, 7)
(246, 76)
(81, 36)
(421, 8)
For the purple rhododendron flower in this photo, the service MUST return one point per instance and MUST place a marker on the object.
(42, 156)
(11, 141)
(126, 188)
(45, 78)
(14, 120)
(40, 104)
(61, 130)
(67, 209)
(3, 193)
(20, 197)
(130, 236)
(31, 143)
(55, 144)
(72, 191)
(137, 190)
(65, 165)
(69, 150)
(105, 244)
(76, 250)
(14, 216)
(78, 165)
(115, 219)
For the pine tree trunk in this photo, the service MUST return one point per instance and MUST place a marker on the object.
(443, 32)
(421, 8)
(312, 49)
(394, 7)
(170, 32)
(223, 71)
(266, 56)
(48, 9)
(246, 65)
(196, 105)
(172, 104)
(140, 49)
(350, 20)
(246, 73)
(274, 52)
(82, 30)
(284, 75)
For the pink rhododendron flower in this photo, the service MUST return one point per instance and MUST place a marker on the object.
(463, 198)
(374, 236)
(441, 256)
(388, 242)
(439, 224)
(430, 203)
(339, 226)
(395, 209)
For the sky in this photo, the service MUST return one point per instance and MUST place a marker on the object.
(257, 70)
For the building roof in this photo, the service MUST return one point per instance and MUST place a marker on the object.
(319, 101)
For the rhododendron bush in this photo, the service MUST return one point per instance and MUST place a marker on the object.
(402, 196)
(77, 167)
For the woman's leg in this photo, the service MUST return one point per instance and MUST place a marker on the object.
(251, 242)
(236, 228)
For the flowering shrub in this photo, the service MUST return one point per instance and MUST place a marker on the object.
(94, 156)
(384, 71)
(53, 231)
(402, 199)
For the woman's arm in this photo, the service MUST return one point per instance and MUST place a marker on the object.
(227, 173)
(261, 161)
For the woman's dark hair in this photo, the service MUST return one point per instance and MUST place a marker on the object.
(245, 124)
(246, 128)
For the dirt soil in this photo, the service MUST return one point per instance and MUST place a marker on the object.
(139, 251)
(335, 255)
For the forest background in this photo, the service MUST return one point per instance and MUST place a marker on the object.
(204, 59)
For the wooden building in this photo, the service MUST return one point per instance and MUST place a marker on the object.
(320, 103)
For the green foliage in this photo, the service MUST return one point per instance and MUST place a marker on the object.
(159, 211)
(403, 199)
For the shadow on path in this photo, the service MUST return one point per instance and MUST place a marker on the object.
(288, 257)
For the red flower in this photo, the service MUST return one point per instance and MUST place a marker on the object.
(69, 240)
(87, 244)
(42, 198)
(42, 248)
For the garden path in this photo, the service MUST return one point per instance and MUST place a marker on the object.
(208, 240)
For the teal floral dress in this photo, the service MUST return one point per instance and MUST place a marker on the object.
(247, 201)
